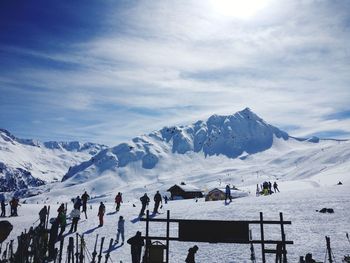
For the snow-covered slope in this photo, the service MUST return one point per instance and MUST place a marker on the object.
(26, 163)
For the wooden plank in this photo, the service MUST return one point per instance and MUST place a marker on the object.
(267, 222)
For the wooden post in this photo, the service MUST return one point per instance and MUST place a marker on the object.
(262, 238)
(71, 249)
(167, 236)
(329, 250)
(283, 239)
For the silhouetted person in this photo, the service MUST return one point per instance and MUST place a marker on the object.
(309, 259)
(75, 215)
(275, 187)
(265, 188)
(165, 199)
(53, 238)
(62, 219)
(228, 193)
(136, 243)
(84, 198)
(101, 213)
(42, 216)
(144, 201)
(120, 230)
(3, 208)
(270, 188)
(157, 201)
(191, 255)
(118, 199)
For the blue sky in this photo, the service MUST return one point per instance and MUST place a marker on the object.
(106, 71)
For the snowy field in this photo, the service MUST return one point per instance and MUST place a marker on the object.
(308, 229)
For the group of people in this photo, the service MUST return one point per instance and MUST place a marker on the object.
(14, 204)
(145, 202)
(266, 188)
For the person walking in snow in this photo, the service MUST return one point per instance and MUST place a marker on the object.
(270, 188)
(3, 208)
(157, 201)
(275, 187)
(120, 230)
(118, 199)
(75, 215)
(191, 254)
(84, 198)
(101, 213)
(14, 203)
(228, 193)
(165, 199)
(136, 243)
(144, 201)
(42, 216)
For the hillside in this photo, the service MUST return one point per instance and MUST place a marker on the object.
(26, 163)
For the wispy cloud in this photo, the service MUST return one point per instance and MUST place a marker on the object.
(152, 63)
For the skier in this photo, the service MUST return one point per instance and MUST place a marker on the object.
(3, 208)
(157, 201)
(191, 254)
(228, 193)
(136, 243)
(101, 212)
(75, 215)
(144, 201)
(62, 219)
(84, 199)
(120, 230)
(42, 216)
(118, 199)
(275, 187)
(77, 203)
(265, 188)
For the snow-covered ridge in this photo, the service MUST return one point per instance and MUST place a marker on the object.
(229, 135)
(28, 163)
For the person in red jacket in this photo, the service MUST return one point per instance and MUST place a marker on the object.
(118, 200)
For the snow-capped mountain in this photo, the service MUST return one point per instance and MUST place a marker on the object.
(206, 145)
(27, 163)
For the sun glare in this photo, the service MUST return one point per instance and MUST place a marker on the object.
(241, 9)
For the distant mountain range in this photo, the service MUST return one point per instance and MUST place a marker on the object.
(171, 154)
(26, 163)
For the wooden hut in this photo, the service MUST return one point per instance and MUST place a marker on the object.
(219, 194)
(184, 191)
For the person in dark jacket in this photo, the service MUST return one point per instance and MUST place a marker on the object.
(136, 243)
(84, 198)
(157, 201)
(275, 187)
(77, 203)
(144, 201)
(118, 199)
(101, 213)
(42, 216)
(53, 238)
(3, 208)
(191, 255)
(228, 193)
(62, 219)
